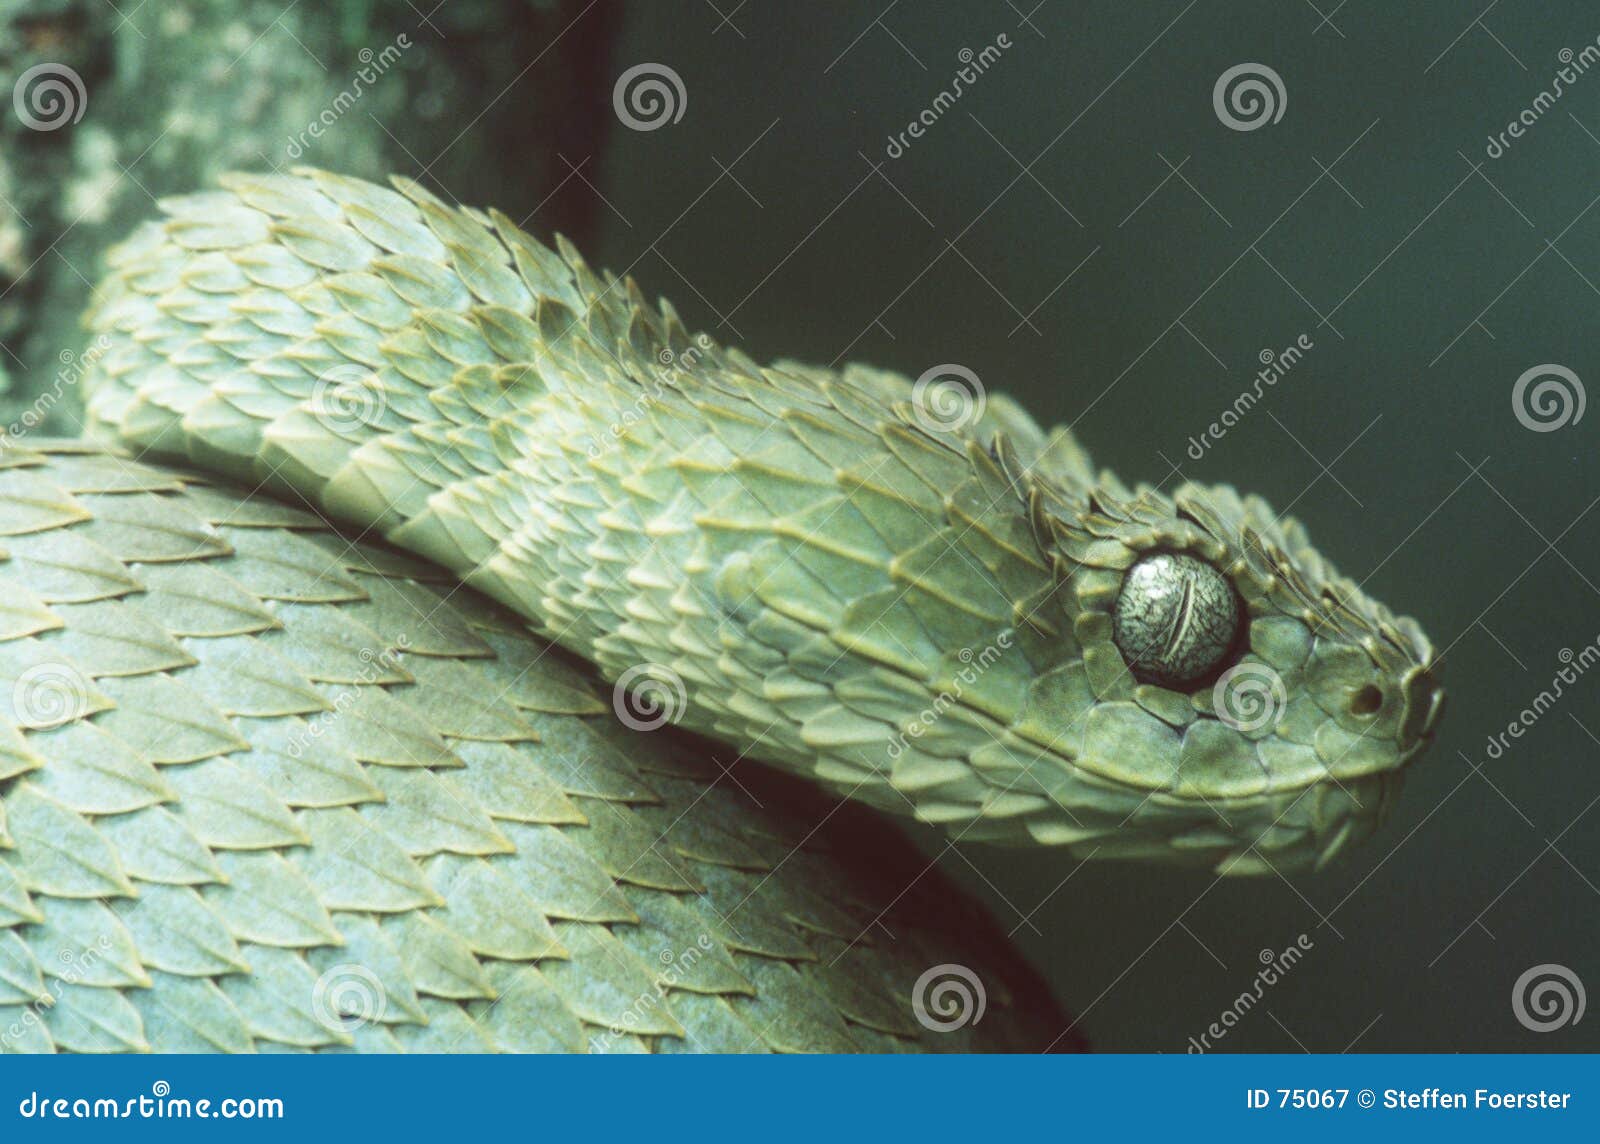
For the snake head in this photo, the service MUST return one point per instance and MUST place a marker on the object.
(1220, 686)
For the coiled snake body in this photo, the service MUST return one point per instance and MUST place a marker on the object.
(358, 767)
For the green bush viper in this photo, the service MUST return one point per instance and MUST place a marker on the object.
(909, 595)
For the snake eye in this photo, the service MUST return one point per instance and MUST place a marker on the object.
(1175, 619)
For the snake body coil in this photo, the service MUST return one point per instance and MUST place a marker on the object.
(263, 787)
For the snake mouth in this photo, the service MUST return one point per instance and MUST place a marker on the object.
(1321, 794)
(1316, 827)
(1425, 703)
(1383, 794)
(1344, 812)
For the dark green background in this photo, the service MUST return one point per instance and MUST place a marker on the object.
(816, 245)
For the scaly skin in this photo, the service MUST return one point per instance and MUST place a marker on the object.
(263, 787)
(912, 608)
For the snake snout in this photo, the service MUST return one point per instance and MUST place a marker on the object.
(1413, 714)
(1424, 699)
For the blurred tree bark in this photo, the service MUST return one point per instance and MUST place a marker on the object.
(108, 105)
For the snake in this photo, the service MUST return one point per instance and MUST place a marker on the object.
(435, 645)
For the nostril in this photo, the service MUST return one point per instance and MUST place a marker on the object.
(1366, 701)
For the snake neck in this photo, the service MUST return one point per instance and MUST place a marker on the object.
(780, 557)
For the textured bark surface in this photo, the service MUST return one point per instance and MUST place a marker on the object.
(174, 93)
